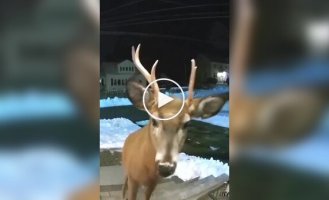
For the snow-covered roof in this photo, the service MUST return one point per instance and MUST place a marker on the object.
(113, 67)
(125, 62)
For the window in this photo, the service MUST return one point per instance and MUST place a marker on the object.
(111, 81)
(115, 82)
(119, 82)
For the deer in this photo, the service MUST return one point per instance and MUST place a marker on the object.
(151, 153)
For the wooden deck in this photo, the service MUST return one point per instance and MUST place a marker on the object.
(209, 188)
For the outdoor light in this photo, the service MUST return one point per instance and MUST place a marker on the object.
(317, 35)
(222, 76)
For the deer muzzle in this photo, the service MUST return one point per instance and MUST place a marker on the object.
(166, 168)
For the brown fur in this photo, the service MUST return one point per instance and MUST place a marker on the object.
(144, 172)
(153, 151)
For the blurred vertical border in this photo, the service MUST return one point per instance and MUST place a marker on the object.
(49, 99)
(279, 136)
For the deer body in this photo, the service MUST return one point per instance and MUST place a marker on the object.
(152, 152)
(144, 172)
(145, 167)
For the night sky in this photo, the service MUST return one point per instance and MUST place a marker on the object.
(173, 31)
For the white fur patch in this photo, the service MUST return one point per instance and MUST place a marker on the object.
(159, 156)
(167, 164)
(186, 118)
(204, 102)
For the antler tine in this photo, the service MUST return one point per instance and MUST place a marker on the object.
(149, 77)
(155, 85)
(138, 64)
(192, 81)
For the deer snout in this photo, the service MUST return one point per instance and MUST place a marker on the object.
(166, 168)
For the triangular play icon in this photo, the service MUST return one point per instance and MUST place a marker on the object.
(163, 99)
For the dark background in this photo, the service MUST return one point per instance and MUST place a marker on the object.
(172, 31)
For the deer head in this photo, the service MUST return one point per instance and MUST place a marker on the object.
(168, 136)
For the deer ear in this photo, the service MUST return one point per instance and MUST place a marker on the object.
(135, 94)
(206, 107)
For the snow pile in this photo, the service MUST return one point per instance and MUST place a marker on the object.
(113, 132)
(220, 89)
(115, 101)
(190, 167)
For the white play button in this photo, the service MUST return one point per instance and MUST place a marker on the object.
(163, 99)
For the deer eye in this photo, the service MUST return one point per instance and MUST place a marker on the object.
(155, 123)
(186, 124)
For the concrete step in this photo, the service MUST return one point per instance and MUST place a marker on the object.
(217, 185)
(104, 196)
(182, 190)
(197, 188)
(112, 179)
(166, 186)
(172, 186)
(115, 195)
(111, 175)
(176, 179)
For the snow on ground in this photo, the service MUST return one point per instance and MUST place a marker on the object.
(115, 101)
(113, 133)
(199, 93)
(190, 167)
(221, 119)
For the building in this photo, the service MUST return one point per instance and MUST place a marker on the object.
(114, 76)
(211, 67)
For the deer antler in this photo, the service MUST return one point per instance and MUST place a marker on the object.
(149, 77)
(192, 81)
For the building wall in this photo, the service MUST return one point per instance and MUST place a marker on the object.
(115, 76)
(116, 82)
(126, 67)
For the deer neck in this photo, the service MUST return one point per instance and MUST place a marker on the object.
(149, 145)
(148, 149)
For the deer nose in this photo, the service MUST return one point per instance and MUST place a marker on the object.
(166, 169)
